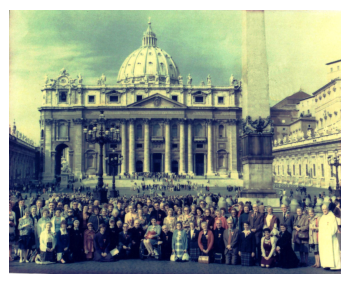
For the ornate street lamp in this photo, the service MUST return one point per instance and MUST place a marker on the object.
(114, 160)
(335, 161)
(102, 137)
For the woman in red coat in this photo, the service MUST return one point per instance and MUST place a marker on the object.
(206, 241)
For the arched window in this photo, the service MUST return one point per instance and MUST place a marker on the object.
(199, 131)
(90, 161)
(174, 131)
(221, 131)
(42, 134)
(139, 132)
(156, 130)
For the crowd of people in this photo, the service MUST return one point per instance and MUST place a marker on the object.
(68, 228)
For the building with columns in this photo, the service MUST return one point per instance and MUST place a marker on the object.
(301, 154)
(24, 158)
(166, 123)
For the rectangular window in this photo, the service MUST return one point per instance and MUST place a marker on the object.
(113, 98)
(314, 170)
(139, 145)
(293, 170)
(199, 99)
(138, 97)
(299, 169)
(199, 145)
(63, 96)
(322, 169)
(283, 169)
(91, 98)
(174, 145)
(220, 99)
(306, 170)
(278, 169)
(174, 97)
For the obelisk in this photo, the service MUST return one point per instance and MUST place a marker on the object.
(257, 131)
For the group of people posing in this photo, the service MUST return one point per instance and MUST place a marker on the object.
(171, 229)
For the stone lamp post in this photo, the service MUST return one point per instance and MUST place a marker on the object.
(114, 160)
(102, 137)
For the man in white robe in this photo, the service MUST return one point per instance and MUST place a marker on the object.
(328, 241)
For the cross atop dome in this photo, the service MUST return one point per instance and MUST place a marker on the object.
(149, 37)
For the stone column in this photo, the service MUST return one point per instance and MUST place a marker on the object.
(146, 154)
(48, 174)
(233, 148)
(210, 147)
(123, 138)
(167, 167)
(78, 148)
(182, 165)
(189, 148)
(131, 146)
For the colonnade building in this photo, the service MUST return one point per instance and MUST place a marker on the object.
(166, 123)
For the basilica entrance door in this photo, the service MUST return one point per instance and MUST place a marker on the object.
(199, 164)
(157, 162)
(139, 166)
(175, 167)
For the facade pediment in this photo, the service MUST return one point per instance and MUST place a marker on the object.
(157, 101)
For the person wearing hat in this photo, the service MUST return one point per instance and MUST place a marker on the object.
(268, 248)
(89, 235)
(76, 241)
(25, 227)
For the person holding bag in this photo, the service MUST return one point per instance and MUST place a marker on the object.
(301, 236)
(206, 242)
(180, 243)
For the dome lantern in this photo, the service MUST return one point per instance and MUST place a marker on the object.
(149, 37)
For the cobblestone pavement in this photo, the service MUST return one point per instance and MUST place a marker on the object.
(136, 266)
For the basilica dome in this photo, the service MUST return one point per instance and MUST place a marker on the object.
(149, 64)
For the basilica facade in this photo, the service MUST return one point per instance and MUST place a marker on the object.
(166, 123)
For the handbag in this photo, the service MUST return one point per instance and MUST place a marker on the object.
(150, 235)
(172, 257)
(218, 258)
(185, 257)
(203, 259)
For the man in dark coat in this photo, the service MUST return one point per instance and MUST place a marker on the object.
(166, 237)
(286, 256)
(125, 243)
(158, 214)
(219, 245)
(231, 237)
(137, 234)
(113, 234)
(101, 245)
(76, 242)
(256, 223)
(286, 218)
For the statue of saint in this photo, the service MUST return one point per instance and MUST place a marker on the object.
(103, 79)
(167, 80)
(80, 79)
(209, 80)
(46, 80)
(64, 166)
(63, 72)
(180, 79)
(202, 83)
(232, 79)
(157, 78)
(189, 79)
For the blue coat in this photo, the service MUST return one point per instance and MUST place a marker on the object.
(183, 238)
(62, 241)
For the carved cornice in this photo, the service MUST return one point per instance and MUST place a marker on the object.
(145, 121)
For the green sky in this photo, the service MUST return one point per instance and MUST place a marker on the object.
(201, 42)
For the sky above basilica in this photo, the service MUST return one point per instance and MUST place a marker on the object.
(299, 43)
